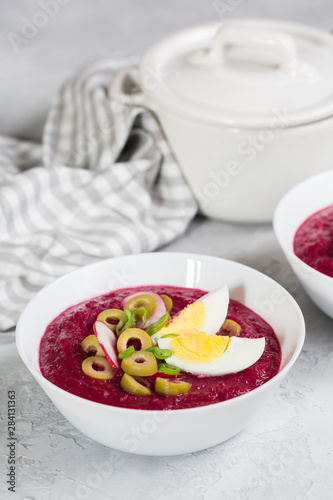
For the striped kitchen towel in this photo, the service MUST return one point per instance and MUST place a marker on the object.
(103, 183)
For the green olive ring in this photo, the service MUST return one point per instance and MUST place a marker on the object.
(110, 317)
(230, 327)
(132, 334)
(92, 347)
(168, 302)
(133, 386)
(143, 300)
(97, 367)
(140, 364)
(168, 388)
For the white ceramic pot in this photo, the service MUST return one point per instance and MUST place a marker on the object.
(247, 107)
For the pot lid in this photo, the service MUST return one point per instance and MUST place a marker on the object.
(243, 73)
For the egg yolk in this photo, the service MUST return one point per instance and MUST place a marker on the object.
(188, 321)
(199, 347)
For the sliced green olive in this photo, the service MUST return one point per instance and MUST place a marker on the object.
(136, 337)
(143, 300)
(168, 388)
(140, 364)
(92, 347)
(97, 367)
(230, 327)
(160, 353)
(133, 386)
(126, 321)
(126, 353)
(168, 369)
(110, 317)
(140, 315)
(158, 325)
(168, 302)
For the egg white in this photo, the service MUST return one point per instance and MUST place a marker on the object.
(216, 305)
(240, 354)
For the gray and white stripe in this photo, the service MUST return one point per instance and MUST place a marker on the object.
(103, 184)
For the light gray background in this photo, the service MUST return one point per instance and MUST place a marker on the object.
(84, 29)
(287, 452)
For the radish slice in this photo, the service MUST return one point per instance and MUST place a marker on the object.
(160, 309)
(108, 341)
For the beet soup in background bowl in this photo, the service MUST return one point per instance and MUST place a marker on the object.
(170, 432)
(306, 199)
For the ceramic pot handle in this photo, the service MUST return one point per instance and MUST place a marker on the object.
(125, 88)
(279, 44)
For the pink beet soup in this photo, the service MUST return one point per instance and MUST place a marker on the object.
(61, 355)
(313, 242)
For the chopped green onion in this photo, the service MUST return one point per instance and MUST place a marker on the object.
(160, 353)
(168, 335)
(126, 321)
(156, 327)
(168, 369)
(127, 352)
(142, 313)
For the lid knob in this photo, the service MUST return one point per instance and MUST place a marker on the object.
(271, 42)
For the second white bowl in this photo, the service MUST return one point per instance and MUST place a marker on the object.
(293, 209)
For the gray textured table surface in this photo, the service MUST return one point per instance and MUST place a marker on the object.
(287, 452)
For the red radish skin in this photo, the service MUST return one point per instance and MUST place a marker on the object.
(108, 341)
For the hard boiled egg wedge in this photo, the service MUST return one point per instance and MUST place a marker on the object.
(204, 354)
(205, 314)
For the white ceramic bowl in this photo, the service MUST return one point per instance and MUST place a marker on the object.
(293, 209)
(162, 432)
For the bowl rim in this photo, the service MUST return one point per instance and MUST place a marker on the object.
(264, 387)
(278, 224)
